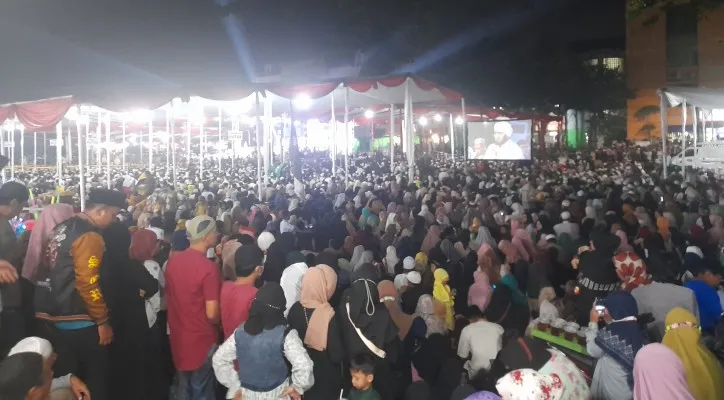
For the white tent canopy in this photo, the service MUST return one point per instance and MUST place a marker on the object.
(694, 97)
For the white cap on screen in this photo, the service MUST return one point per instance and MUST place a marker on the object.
(503, 127)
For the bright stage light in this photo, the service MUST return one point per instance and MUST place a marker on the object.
(423, 121)
(438, 117)
(369, 114)
(435, 138)
(139, 115)
(459, 120)
(303, 102)
(446, 139)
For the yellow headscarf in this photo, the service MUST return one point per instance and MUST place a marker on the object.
(703, 372)
(441, 292)
(181, 224)
(421, 258)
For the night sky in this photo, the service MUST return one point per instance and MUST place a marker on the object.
(83, 45)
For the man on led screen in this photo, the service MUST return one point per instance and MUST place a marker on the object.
(503, 148)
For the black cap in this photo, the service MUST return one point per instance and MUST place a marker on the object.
(247, 258)
(13, 191)
(19, 373)
(106, 197)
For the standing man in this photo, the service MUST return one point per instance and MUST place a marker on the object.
(13, 197)
(75, 303)
(193, 286)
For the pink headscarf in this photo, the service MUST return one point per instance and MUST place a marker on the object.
(520, 248)
(526, 241)
(509, 250)
(432, 239)
(480, 291)
(50, 217)
(659, 374)
(624, 246)
(483, 251)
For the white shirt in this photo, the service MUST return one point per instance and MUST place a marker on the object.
(153, 305)
(506, 151)
(481, 341)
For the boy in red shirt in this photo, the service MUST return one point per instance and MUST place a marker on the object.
(237, 295)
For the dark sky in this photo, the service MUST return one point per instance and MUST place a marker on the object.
(51, 47)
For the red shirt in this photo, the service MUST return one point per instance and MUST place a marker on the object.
(191, 281)
(235, 303)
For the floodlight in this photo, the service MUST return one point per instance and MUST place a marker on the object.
(369, 114)
(459, 120)
(435, 138)
(437, 117)
(303, 102)
(423, 121)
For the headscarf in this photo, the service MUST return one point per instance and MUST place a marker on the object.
(483, 396)
(357, 257)
(401, 281)
(426, 310)
(624, 246)
(441, 292)
(318, 286)
(364, 311)
(659, 374)
(348, 245)
(622, 338)
(291, 283)
(267, 310)
(389, 296)
(480, 291)
(509, 250)
(49, 218)
(703, 371)
(143, 245)
(450, 252)
(422, 260)
(662, 224)
(391, 260)
(631, 269)
(228, 258)
(529, 384)
(431, 239)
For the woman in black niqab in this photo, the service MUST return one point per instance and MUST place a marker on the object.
(267, 309)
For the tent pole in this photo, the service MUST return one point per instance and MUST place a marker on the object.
(59, 151)
(346, 137)
(392, 138)
(664, 129)
(465, 129)
(150, 142)
(452, 138)
(11, 135)
(410, 134)
(259, 127)
(80, 165)
(22, 147)
(45, 148)
(108, 150)
(168, 139)
(173, 152)
(333, 123)
(98, 142)
(188, 142)
(69, 146)
(2, 147)
(123, 140)
(202, 150)
(683, 130)
(268, 132)
(35, 150)
(695, 122)
(218, 139)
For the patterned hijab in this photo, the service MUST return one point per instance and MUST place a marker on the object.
(529, 384)
(621, 338)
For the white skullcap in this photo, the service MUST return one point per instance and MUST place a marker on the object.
(566, 203)
(565, 215)
(580, 193)
(414, 277)
(503, 127)
(158, 231)
(408, 263)
(265, 241)
(35, 345)
(400, 281)
(550, 237)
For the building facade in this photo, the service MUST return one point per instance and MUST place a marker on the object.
(676, 47)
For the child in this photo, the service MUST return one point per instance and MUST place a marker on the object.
(362, 369)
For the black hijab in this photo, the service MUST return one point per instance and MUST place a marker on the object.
(267, 310)
(365, 309)
(277, 257)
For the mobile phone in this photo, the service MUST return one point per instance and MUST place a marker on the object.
(600, 309)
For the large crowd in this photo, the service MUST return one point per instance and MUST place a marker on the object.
(572, 276)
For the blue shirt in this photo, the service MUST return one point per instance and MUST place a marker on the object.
(708, 300)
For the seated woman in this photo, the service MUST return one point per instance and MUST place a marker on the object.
(264, 347)
(615, 346)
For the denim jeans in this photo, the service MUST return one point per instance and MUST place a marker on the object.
(196, 385)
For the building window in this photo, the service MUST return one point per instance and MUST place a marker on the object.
(613, 63)
(682, 36)
(592, 62)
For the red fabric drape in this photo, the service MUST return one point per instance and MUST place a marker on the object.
(6, 112)
(449, 94)
(42, 114)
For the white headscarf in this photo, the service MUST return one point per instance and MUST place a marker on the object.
(291, 283)
(391, 259)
